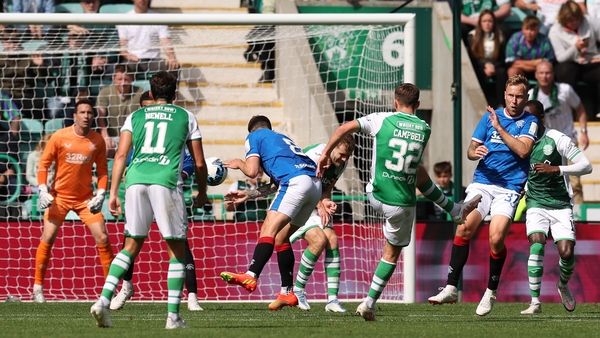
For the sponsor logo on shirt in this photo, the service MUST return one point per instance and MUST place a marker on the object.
(304, 165)
(408, 179)
(75, 158)
(162, 160)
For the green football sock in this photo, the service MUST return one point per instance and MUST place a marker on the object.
(307, 265)
(434, 194)
(384, 272)
(175, 279)
(117, 270)
(332, 269)
(566, 270)
(535, 268)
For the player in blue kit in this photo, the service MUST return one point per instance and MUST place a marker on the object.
(502, 143)
(298, 190)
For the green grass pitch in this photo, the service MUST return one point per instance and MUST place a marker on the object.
(241, 320)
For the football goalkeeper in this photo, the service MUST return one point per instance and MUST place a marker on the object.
(75, 150)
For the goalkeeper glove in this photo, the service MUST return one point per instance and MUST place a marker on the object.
(45, 199)
(95, 204)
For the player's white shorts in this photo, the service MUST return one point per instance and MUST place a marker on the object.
(398, 221)
(144, 203)
(558, 222)
(297, 198)
(495, 200)
(313, 221)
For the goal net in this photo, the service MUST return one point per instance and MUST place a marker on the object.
(307, 73)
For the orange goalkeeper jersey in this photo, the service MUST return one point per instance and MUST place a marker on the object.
(75, 156)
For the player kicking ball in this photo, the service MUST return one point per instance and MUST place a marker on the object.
(549, 199)
(298, 189)
(319, 234)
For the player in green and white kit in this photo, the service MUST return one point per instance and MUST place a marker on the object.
(550, 206)
(158, 134)
(318, 230)
(399, 141)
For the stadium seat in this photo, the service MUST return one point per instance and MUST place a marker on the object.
(51, 126)
(34, 45)
(25, 147)
(515, 20)
(74, 8)
(145, 84)
(115, 8)
(31, 130)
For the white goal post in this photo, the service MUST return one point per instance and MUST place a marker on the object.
(302, 130)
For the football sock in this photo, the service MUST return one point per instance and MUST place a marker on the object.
(496, 264)
(42, 258)
(285, 261)
(382, 275)
(175, 279)
(106, 256)
(566, 270)
(333, 271)
(458, 259)
(307, 265)
(434, 194)
(129, 274)
(535, 269)
(117, 269)
(191, 283)
(262, 254)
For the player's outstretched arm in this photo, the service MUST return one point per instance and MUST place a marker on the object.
(250, 167)
(240, 196)
(343, 130)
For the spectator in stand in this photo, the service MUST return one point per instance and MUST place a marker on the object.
(70, 78)
(33, 160)
(18, 73)
(561, 103)
(34, 6)
(486, 48)
(527, 48)
(89, 7)
(138, 44)
(101, 63)
(548, 10)
(114, 104)
(471, 9)
(575, 40)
